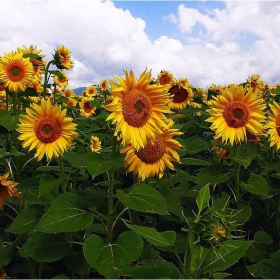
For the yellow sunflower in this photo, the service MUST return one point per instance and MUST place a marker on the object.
(71, 102)
(182, 95)
(154, 157)
(46, 129)
(61, 81)
(103, 85)
(95, 144)
(62, 58)
(165, 78)
(273, 126)
(91, 91)
(7, 189)
(68, 92)
(234, 111)
(138, 108)
(16, 72)
(86, 110)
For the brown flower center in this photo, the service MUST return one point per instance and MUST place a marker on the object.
(15, 72)
(47, 129)
(87, 107)
(151, 153)
(164, 79)
(278, 124)
(236, 114)
(179, 94)
(136, 108)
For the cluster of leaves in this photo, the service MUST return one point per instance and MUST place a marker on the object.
(188, 224)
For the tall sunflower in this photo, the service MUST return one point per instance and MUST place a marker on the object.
(62, 58)
(138, 108)
(7, 189)
(234, 111)
(154, 157)
(273, 126)
(61, 80)
(165, 78)
(182, 95)
(46, 129)
(16, 72)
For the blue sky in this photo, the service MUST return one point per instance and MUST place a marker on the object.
(207, 42)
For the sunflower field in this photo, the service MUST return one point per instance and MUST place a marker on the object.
(140, 177)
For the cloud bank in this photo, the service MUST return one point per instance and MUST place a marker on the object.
(219, 46)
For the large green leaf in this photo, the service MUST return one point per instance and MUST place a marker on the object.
(45, 247)
(27, 220)
(96, 164)
(144, 198)
(256, 185)
(194, 145)
(203, 198)
(160, 239)
(226, 255)
(194, 161)
(212, 175)
(64, 215)
(267, 268)
(49, 183)
(7, 120)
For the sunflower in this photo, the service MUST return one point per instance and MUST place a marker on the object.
(86, 110)
(62, 58)
(154, 157)
(61, 80)
(7, 189)
(47, 129)
(138, 108)
(68, 92)
(71, 102)
(103, 85)
(16, 72)
(273, 126)
(164, 78)
(91, 91)
(234, 111)
(95, 144)
(182, 95)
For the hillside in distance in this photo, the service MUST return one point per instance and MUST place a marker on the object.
(79, 90)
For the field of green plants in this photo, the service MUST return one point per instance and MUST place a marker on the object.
(139, 177)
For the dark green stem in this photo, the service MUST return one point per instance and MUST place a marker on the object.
(46, 77)
(187, 260)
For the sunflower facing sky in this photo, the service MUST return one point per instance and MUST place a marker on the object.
(273, 126)
(7, 189)
(234, 112)
(153, 158)
(16, 72)
(138, 108)
(46, 129)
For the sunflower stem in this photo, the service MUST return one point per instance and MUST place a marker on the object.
(187, 260)
(46, 78)
(236, 176)
(60, 164)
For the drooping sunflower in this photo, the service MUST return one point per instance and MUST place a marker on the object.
(182, 95)
(138, 108)
(62, 58)
(154, 157)
(86, 110)
(47, 129)
(273, 126)
(61, 80)
(95, 144)
(16, 72)
(91, 91)
(7, 189)
(234, 111)
(165, 78)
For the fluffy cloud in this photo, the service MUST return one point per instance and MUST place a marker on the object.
(104, 39)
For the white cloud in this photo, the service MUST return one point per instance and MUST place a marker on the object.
(104, 39)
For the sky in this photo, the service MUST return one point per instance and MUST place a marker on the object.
(207, 42)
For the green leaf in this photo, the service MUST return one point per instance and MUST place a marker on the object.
(161, 271)
(45, 247)
(194, 161)
(48, 183)
(64, 215)
(28, 184)
(226, 255)
(212, 175)
(203, 198)
(256, 185)
(57, 73)
(27, 220)
(74, 159)
(7, 120)
(162, 239)
(144, 198)
(132, 243)
(96, 164)
(194, 145)
(267, 268)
